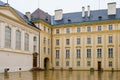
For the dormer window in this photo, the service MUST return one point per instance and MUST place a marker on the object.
(100, 18)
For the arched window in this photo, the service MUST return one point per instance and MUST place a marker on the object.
(18, 39)
(7, 37)
(26, 42)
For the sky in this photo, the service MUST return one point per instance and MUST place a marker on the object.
(67, 6)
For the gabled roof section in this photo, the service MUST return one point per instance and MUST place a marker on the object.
(21, 15)
(39, 14)
(95, 15)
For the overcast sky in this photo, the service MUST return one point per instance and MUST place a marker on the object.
(51, 5)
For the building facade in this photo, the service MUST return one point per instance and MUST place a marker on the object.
(86, 40)
(18, 40)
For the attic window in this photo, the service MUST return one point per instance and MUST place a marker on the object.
(69, 20)
(100, 18)
(46, 19)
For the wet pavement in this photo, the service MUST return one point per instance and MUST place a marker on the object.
(61, 75)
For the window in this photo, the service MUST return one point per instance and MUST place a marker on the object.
(88, 40)
(57, 54)
(48, 30)
(88, 53)
(48, 41)
(99, 40)
(44, 28)
(57, 42)
(110, 52)
(78, 63)
(7, 37)
(67, 63)
(67, 53)
(34, 39)
(110, 63)
(110, 39)
(99, 53)
(99, 28)
(57, 31)
(67, 41)
(67, 30)
(26, 44)
(78, 40)
(78, 29)
(110, 27)
(44, 50)
(48, 50)
(88, 63)
(18, 39)
(34, 48)
(57, 63)
(88, 29)
(78, 54)
(44, 40)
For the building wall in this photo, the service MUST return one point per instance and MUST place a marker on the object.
(83, 46)
(11, 57)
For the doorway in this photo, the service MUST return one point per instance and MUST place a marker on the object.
(46, 63)
(99, 65)
(34, 59)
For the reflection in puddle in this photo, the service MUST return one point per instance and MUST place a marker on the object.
(61, 75)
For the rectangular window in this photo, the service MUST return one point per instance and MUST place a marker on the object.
(26, 42)
(57, 31)
(57, 42)
(44, 40)
(78, 63)
(67, 63)
(88, 53)
(34, 48)
(44, 50)
(110, 27)
(99, 28)
(88, 29)
(48, 50)
(48, 41)
(99, 53)
(78, 40)
(78, 54)
(110, 52)
(57, 63)
(67, 54)
(67, 41)
(78, 29)
(57, 54)
(7, 37)
(48, 30)
(110, 39)
(88, 63)
(67, 30)
(99, 40)
(110, 63)
(44, 28)
(18, 39)
(88, 40)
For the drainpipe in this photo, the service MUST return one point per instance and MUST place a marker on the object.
(39, 46)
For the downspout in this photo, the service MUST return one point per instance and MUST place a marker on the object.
(39, 46)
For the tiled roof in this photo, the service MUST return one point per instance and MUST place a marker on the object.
(76, 17)
(39, 14)
(24, 17)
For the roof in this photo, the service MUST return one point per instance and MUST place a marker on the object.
(40, 14)
(24, 17)
(95, 15)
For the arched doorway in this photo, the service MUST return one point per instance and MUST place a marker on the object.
(35, 59)
(46, 63)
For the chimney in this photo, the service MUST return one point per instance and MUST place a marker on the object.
(28, 14)
(58, 14)
(83, 11)
(112, 8)
(88, 11)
